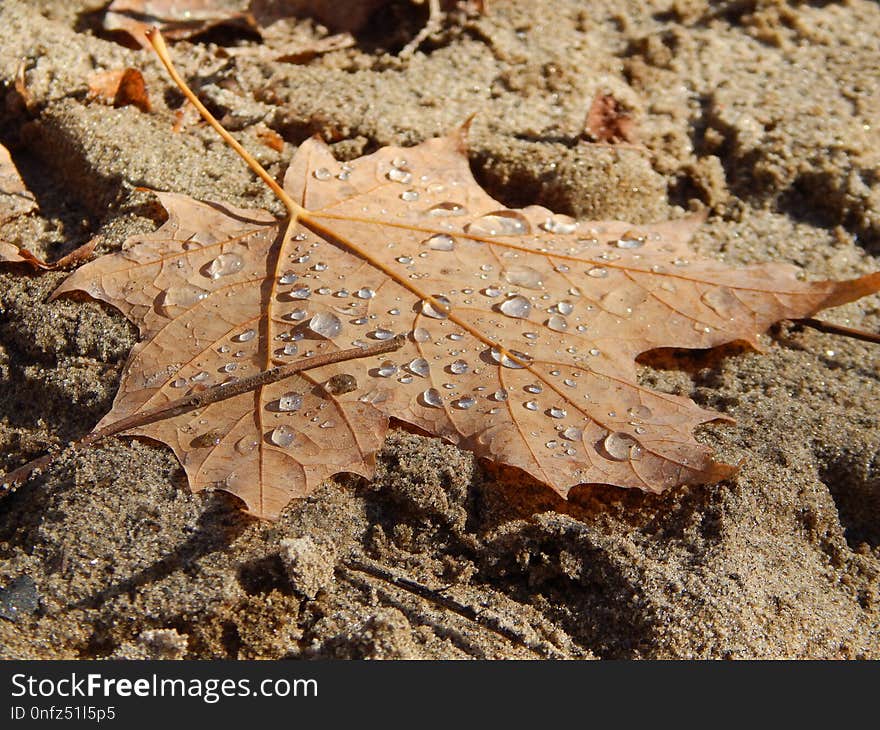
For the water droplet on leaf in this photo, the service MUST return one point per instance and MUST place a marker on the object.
(518, 307)
(620, 446)
(500, 223)
(325, 324)
(281, 436)
(524, 276)
(440, 242)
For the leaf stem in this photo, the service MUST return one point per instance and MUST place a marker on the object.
(158, 43)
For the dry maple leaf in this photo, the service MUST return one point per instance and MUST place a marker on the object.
(522, 327)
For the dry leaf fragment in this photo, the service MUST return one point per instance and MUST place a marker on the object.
(608, 122)
(10, 254)
(120, 87)
(522, 325)
(15, 199)
(178, 19)
(270, 138)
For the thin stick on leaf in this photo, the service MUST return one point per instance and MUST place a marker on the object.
(210, 395)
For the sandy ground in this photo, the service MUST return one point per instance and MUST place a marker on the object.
(763, 113)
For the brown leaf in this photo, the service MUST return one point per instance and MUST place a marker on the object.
(523, 327)
(15, 199)
(270, 138)
(10, 254)
(178, 19)
(120, 87)
(608, 122)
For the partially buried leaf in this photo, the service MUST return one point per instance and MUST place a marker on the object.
(120, 87)
(15, 199)
(178, 19)
(523, 327)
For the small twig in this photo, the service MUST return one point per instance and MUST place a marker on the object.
(203, 398)
(470, 613)
(838, 329)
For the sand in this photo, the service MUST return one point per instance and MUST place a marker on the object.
(762, 114)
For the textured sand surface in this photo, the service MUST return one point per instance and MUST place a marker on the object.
(762, 113)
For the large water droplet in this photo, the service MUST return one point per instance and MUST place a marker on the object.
(446, 209)
(557, 323)
(395, 174)
(419, 366)
(246, 445)
(630, 239)
(409, 195)
(365, 293)
(571, 433)
(431, 397)
(557, 412)
(502, 358)
(561, 224)
(458, 367)
(531, 405)
(381, 334)
(722, 301)
(224, 265)
(622, 301)
(436, 313)
(464, 402)
(597, 272)
(281, 436)
(620, 446)
(500, 395)
(500, 223)
(288, 277)
(643, 413)
(386, 369)
(302, 292)
(322, 173)
(565, 307)
(374, 397)
(340, 384)
(420, 334)
(290, 401)
(245, 336)
(440, 242)
(524, 276)
(518, 307)
(325, 324)
(183, 296)
(211, 438)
